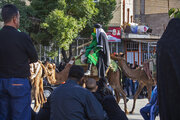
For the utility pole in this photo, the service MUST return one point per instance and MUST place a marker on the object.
(168, 5)
(123, 12)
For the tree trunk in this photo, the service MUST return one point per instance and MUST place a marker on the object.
(70, 52)
(64, 55)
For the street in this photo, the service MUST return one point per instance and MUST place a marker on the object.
(139, 104)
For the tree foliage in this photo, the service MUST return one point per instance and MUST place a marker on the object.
(62, 20)
(174, 12)
(105, 14)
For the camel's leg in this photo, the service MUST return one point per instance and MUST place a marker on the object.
(36, 93)
(118, 97)
(136, 96)
(149, 90)
(42, 91)
(121, 91)
(118, 90)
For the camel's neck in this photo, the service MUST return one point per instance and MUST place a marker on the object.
(63, 75)
(127, 70)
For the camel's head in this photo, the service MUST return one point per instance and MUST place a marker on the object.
(51, 72)
(116, 57)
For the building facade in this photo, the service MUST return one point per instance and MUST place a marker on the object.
(154, 13)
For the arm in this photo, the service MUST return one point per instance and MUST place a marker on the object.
(30, 50)
(93, 108)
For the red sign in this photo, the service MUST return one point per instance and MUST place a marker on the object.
(114, 34)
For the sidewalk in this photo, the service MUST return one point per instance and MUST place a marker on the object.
(139, 104)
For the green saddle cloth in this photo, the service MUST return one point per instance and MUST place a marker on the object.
(93, 58)
(114, 65)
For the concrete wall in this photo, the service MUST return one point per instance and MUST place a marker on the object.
(160, 6)
(157, 22)
(118, 13)
(156, 6)
(156, 13)
(116, 21)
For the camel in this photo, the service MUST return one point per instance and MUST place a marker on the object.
(38, 72)
(135, 74)
(114, 81)
(55, 78)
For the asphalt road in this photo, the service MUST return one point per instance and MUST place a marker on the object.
(139, 104)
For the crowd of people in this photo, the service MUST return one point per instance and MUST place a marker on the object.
(70, 101)
(129, 85)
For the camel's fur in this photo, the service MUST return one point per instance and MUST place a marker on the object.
(56, 78)
(135, 74)
(114, 79)
(37, 83)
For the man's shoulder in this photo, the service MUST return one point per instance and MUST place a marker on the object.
(73, 87)
(23, 34)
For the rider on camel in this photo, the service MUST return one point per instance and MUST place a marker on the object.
(98, 52)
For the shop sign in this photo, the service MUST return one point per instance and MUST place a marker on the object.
(114, 34)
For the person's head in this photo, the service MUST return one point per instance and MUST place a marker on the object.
(128, 64)
(76, 73)
(102, 83)
(121, 54)
(10, 15)
(102, 87)
(97, 25)
(91, 84)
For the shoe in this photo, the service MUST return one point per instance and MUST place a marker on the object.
(87, 73)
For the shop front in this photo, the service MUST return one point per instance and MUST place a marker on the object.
(139, 48)
(114, 39)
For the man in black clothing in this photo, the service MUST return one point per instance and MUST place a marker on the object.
(16, 52)
(104, 53)
(168, 71)
(70, 101)
(105, 97)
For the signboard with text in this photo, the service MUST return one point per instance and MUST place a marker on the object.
(114, 34)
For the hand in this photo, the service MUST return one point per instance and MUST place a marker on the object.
(92, 51)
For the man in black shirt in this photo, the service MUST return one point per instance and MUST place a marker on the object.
(70, 101)
(16, 52)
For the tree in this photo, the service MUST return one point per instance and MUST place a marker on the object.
(105, 14)
(174, 12)
(62, 20)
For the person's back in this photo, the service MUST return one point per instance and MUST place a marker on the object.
(168, 73)
(112, 108)
(72, 102)
(15, 51)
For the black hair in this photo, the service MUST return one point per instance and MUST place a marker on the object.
(97, 25)
(76, 72)
(8, 12)
(103, 88)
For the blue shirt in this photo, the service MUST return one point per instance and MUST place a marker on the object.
(72, 102)
(154, 96)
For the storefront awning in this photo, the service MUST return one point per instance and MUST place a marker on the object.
(144, 37)
(113, 39)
